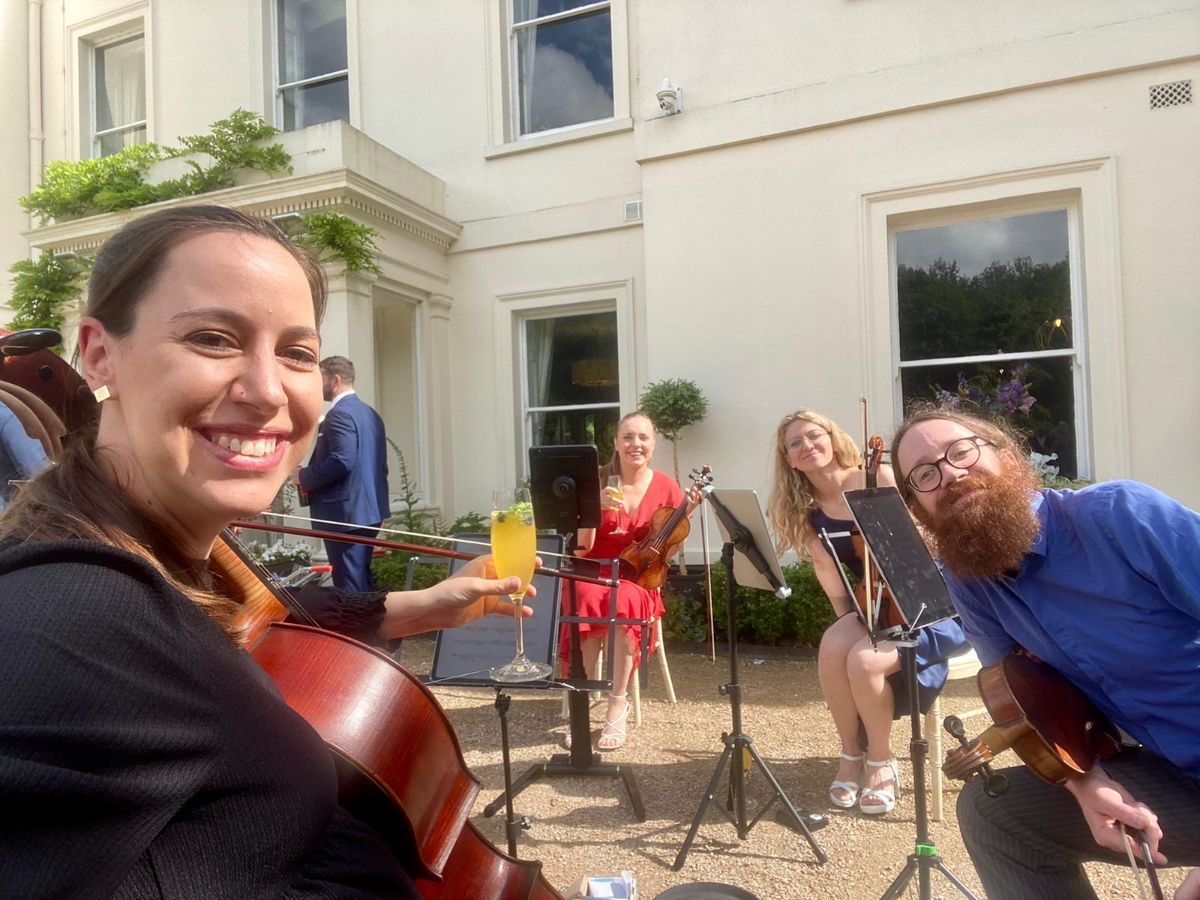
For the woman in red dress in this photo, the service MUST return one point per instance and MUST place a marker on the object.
(643, 491)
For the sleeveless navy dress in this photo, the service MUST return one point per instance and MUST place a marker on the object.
(935, 643)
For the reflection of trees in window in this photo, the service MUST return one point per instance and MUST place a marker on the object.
(968, 334)
(563, 54)
(1008, 307)
(571, 377)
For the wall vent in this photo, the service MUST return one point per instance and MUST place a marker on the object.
(633, 210)
(1174, 93)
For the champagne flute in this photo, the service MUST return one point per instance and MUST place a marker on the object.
(514, 552)
(616, 493)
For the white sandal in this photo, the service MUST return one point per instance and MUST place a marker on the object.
(850, 789)
(612, 736)
(881, 800)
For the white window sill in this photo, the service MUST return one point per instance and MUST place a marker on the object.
(559, 137)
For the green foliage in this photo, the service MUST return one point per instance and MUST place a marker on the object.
(761, 617)
(43, 287)
(74, 189)
(335, 236)
(673, 405)
(88, 187)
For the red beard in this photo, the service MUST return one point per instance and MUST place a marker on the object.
(988, 533)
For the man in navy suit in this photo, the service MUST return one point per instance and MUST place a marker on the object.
(346, 477)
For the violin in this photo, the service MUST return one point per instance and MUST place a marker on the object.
(646, 560)
(876, 606)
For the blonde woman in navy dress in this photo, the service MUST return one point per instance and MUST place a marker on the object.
(815, 461)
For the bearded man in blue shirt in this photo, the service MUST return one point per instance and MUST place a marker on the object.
(1102, 584)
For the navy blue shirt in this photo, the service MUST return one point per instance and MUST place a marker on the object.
(1110, 597)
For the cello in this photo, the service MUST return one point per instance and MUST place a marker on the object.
(399, 762)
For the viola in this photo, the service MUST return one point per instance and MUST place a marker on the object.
(1049, 723)
(876, 606)
(646, 560)
(1041, 716)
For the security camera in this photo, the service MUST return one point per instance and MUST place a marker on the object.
(670, 98)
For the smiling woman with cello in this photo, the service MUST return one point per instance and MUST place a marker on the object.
(142, 752)
(815, 462)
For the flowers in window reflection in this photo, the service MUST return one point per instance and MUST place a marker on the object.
(1004, 394)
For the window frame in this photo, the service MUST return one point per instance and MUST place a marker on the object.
(503, 83)
(513, 65)
(97, 134)
(278, 88)
(1077, 352)
(83, 38)
(512, 312)
(1088, 187)
(528, 411)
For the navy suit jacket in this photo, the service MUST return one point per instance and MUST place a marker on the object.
(346, 477)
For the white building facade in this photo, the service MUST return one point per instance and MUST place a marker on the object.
(833, 199)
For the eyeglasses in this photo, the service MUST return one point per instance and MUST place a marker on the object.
(962, 454)
(809, 438)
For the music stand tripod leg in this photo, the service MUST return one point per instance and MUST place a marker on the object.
(513, 825)
(924, 857)
(581, 761)
(737, 743)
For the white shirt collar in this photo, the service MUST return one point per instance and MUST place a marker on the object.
(345, 393)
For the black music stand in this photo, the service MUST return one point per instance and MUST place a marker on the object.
(565, 491)
(753, 566)
(920, 592)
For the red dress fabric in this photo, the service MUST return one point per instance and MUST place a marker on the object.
(633, 601)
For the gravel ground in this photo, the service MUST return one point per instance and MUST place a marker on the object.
(586, 826)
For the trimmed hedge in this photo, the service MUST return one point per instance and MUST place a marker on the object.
(761, 618)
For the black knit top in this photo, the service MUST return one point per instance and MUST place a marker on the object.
(144, 755)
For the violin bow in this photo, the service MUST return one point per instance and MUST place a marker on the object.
(408, 548)
(712, 628)
(1136, 834)
(868, 598)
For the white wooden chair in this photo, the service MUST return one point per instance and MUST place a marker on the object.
(635, 688)
(965, 665)
(660, 651)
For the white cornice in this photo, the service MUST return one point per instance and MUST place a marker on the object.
(337, 189)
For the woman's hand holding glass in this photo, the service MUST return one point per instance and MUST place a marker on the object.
(514, 554)
(613, 497)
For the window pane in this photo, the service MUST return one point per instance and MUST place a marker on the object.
(524, 10)
(121, 84)
(315, 104)
(565, 72)
(572, 360)
(119, 140)
(584, 426)
(312, 39)
(1049, 423)
(996, 286)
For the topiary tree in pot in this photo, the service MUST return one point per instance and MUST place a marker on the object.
(672, 405)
